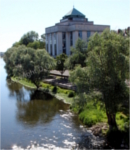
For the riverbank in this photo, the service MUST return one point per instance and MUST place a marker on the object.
(61, 94)
(90, 115)
(93, 116)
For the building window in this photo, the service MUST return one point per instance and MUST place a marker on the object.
(55, 49)
(51, 49)
(54, 38)
(80, 34)
(63, 36)
(71, 38)
(64, 42)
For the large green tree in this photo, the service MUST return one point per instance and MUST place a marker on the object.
(28, 63)
(78, 56)
(106, 71)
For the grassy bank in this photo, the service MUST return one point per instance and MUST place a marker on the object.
(94, 113)
(61, 94)
(90, 115)
(24, 82)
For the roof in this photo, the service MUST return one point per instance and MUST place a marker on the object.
(74, 13)
(58, 73)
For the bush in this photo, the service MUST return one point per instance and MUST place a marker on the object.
(54, 89)
(71, 94)
(46, 90)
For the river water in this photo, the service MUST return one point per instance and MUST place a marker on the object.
(36, 120)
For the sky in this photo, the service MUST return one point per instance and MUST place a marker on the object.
(17, 17)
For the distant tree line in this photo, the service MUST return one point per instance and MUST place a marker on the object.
(1, 54)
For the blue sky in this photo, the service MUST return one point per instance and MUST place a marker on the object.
(17, 17)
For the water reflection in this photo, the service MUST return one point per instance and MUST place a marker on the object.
(13, 87)
(40, 109)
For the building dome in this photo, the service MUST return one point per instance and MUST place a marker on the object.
(74, 13)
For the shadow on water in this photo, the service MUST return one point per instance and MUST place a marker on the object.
(33, 106)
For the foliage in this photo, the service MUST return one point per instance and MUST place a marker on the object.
(54, 90)
(28, 63)
(29, 37)
(59, 90)
(106, 71)
(71, 94)
(60, 59)
(16, 44)
(43, 37)
(36, 45)
(79, 54)
(80, 78)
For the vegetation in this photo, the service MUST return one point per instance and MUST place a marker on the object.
(24, 81)
(48, 88)
(78, 56)
(98, 70)
(71, 94)
(60, 59)
(31, 39)
(27, 63)
(106, 70)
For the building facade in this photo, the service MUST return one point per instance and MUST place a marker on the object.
(63, 35)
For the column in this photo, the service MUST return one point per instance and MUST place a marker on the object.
(53, 54)
(75, 37)
(59, 43)
(84, 36)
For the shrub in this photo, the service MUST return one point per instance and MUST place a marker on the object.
(54, 89)
(46, 90)
(71, 94)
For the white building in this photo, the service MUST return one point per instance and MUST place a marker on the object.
(63, 35)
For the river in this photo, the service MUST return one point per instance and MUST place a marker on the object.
(36, 120)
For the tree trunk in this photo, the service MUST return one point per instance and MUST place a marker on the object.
(111, 120)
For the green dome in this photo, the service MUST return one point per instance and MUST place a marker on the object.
(74, 13)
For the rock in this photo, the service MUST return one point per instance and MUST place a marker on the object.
(97, 129)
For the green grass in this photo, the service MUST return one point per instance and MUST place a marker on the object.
(24, 82)
(61, 93)
(59, 90)
(65, 97)
(93, 114)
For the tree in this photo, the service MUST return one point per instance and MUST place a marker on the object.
(60, 59)
(29, 37)
(79, 54)
(43, 37)
(16, 44)
(35, 45)
(106, 71)
(28, 63)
